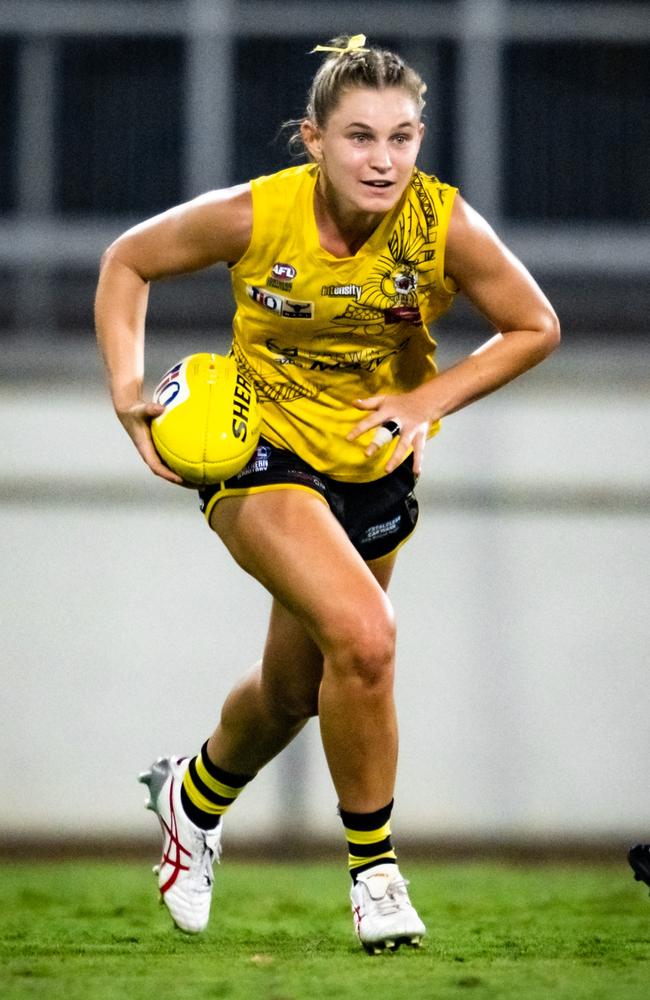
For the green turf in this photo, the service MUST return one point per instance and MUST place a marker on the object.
(283, 932)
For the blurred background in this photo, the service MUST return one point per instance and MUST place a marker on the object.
(523, 601)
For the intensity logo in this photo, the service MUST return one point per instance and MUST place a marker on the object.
(341, 291)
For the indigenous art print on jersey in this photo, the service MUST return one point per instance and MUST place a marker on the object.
(314, 332)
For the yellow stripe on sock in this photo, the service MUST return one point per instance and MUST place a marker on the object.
(355, 862)
(367, 836)
(200, 801)
(227, 791)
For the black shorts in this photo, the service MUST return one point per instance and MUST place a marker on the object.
(377, 516)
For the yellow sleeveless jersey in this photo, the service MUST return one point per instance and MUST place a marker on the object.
(315, 332)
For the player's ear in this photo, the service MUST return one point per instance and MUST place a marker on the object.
(311, 137)
(420, 134)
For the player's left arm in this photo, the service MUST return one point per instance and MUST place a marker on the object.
(501, 288)
(508, 297)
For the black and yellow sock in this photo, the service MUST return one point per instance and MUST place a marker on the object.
(368, 837)
(208, 791)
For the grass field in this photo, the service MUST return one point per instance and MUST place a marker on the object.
(93, 930)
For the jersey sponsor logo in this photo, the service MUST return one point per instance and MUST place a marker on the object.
(284, 286)
(294, 309)
(377, 531)
(280, 304)
(265, 298)
(341, 291)
(283, 272)
(241, 408)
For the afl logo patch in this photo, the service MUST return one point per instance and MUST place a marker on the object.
(284, 272)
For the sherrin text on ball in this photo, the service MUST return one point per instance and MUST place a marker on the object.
(212, 420)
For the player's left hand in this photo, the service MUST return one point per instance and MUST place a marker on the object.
(407, 420)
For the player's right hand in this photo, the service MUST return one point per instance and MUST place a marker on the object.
(136, 421)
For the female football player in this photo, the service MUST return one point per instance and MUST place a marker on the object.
(338, 266)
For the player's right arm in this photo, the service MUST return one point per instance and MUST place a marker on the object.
(213, 228)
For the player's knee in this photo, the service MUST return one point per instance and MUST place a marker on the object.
(364, 647)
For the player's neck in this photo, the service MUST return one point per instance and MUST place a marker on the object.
(342, 230)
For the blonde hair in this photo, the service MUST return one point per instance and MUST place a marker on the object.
(345, 68)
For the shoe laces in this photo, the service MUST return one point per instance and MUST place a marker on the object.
(202, 857)
(395, 897)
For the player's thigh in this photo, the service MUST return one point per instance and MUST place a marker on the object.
(382, 569)
(292, 664)
(290, 541)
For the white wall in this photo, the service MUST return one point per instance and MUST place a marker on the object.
(523, 604)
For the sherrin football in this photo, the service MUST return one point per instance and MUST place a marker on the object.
(211, 424)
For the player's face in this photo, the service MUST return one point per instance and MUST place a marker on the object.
(368, 148)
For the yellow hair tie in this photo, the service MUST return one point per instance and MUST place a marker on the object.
(355, 44)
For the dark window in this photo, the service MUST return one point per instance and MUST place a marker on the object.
(8, 52)
(549, 4)
(272, 79)
(577, 132)
(440, 106)
(119, 126)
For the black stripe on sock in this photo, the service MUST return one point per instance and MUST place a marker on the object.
(370, 850)
(204, 820)
(366, 821)
(225, 777)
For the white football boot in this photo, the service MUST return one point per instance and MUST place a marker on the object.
(384, 916)
(185, 870)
